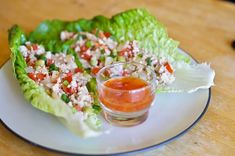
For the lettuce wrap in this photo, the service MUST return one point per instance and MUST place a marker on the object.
(135, 24)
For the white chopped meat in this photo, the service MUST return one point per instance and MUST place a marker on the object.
(73, 84)
(48, 55)
(56, 88)
(24, 50)
(111, 43)
(59, 74)
(65, 35)
(29, 69)
(40, 50)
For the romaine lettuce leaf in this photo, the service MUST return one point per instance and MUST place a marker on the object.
(41, 100)
(135, 24)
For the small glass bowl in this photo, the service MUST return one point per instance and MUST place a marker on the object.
(127, 107)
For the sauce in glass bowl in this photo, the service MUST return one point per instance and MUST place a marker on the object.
(126, 91)
(126, 100)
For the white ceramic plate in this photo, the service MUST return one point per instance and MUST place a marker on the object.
(171, 116)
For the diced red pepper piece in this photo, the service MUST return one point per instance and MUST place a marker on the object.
(95, 70)
(168, 67)
(40, 76)
(36, 77)
(85, 56)
(49, 62)
(84, 48)
(67, 90)
(69, 77)
(107, 34)
(32, 76)
(78, 70)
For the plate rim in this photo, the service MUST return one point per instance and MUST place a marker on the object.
(155, 146)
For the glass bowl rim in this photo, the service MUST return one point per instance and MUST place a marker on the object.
(151, 84)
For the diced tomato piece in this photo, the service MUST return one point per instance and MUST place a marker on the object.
(40, 76)
(95, 70)
(32, 76)
(78, 70)
(168, 67)
(107, 34)
(67, 90)
(85, 56)
(49, 62)
(31, 63)
(69, 73)
(69, 77)
(78, 108)
(35, 46)
(84, 48)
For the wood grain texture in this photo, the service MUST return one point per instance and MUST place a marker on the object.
(205, 28)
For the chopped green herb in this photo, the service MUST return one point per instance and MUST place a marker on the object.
(97, 108)
(91, 85)
(52, 67)
(74, 110)
(140, 55)
(121, 59)
(41, 57)
(88, 70)
(102, 51)
(102, 58)
(65, 98)
(39, 63)
(149, 61)
(89, 44)
(66, 83)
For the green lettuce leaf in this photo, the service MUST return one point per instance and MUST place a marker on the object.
(135, 24)
(41, 100)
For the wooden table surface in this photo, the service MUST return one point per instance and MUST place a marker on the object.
(205, 28)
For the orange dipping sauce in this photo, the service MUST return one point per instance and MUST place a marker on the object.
(126, 94)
